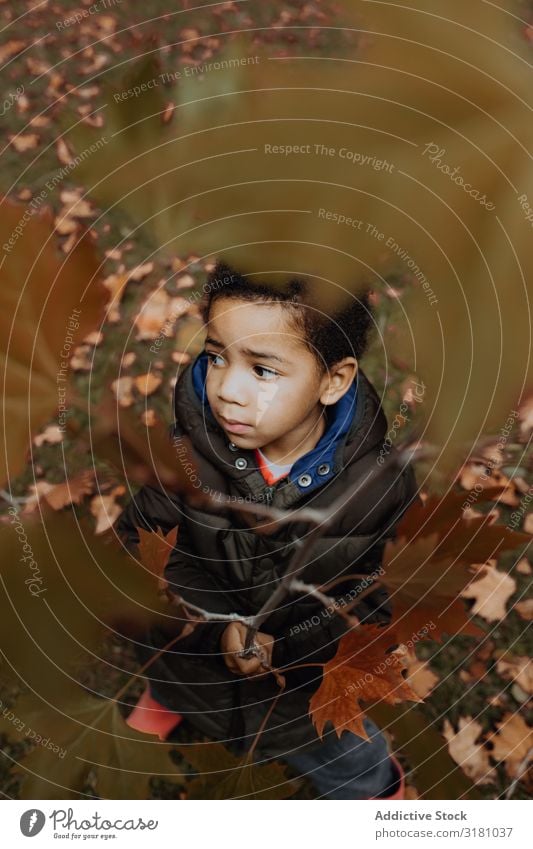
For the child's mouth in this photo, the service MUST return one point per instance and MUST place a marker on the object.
(235, 427)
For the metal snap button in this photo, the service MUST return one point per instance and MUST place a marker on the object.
(305, 480)
(241, 462)
(323, 469)
(233, 447)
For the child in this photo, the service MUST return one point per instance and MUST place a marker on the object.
(277, 411)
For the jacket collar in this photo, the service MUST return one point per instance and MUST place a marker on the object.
(355, 424)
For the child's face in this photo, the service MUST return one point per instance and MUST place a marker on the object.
(262, 381)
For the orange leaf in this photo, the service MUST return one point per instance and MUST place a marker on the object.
(513, 743)
(47, 305)
(436, 554)
(155, 549)
(361, 669)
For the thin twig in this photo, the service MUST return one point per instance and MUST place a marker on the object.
(353, 576)
(299, 559)
(327, 601)
(177, 600)
(261, 728)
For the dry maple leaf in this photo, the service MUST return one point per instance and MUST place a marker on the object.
(122, 387)
(436, 553)
(116, 284)
(224, 776)
(146, 384)
(39, 291)
(485, 476)
(60, 495)
(10, 48)
(51, 434)
(470, 755)
(523, 566)
(141, 271)
(361, 670)
(158, 314)
(154, 549)
(24, 141)
(491, 590)
(89, 735)
(519, 669)
(149, 418)
(106, 510)
(525, 609)
(420, 676)
(513, 744)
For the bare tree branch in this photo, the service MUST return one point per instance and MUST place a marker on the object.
(320, 519)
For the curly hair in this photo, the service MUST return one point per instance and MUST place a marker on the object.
(330, 338)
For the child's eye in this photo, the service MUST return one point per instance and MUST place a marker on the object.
(211, 356)
(268, 373)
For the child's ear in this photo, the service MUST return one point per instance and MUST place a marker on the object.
(338, 380)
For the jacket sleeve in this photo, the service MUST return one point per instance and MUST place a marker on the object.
(153, 507)
(318, 642)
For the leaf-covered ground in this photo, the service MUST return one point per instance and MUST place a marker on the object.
(477, 692)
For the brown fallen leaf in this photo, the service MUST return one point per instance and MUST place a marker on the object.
(168, 112)
(115, 283)
(158, 314)
(221, 775)
(128, 360)
(96, 337)
(513, 744)
(141, 271)
(361, 670)
(472, 757)
(154, 550)
(181, 357)
(491, 593)
(475, 475)
(24, 141)
(60, 495)
(525, 609)
(420, 676)
(185, 281)
(122, 387)
(38, 296)
(523, 566)
(106, 510)
(519, 669)
(146, 384)
(81, 359)
(10, 48)
(436, 553)
(64, 152)
(75, 205)
(149, 418)
(51, 434)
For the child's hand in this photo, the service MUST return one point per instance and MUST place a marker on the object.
(232, 642)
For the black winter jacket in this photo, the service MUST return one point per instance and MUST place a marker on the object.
(222, 565)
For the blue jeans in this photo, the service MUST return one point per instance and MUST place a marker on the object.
(348, 767)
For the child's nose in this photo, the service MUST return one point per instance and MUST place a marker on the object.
(232, 389)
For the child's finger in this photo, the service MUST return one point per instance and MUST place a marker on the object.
(248, 667)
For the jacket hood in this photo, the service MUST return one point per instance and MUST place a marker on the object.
(355, 425)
